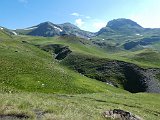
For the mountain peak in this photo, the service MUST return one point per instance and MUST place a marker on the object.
(121, 26)
(48, 23)
(68, 25)
(122, 22)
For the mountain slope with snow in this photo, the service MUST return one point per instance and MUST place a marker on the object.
(48, 29)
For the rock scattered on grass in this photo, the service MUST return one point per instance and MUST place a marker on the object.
(120, 115)
(14, 117)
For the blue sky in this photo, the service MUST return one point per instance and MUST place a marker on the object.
(89, 15)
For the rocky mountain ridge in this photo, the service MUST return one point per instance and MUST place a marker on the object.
(49, 29)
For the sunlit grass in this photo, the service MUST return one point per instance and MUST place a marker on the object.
(32, 82)
(79, 107)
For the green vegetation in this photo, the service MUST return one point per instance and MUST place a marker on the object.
(79, 107)
(4, 35)
(34, 84)
(26, 67)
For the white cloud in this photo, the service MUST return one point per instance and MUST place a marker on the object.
(92, 25)
(88, 17)
(75, 14)
(80, 15)
(147, 21)
(148, 17)
(23, 1)
(99, 25)
(79, 22)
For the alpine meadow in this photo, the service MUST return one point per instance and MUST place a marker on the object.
(64, 70)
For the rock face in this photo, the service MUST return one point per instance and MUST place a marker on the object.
(117, 73)
(143, 42)
(120, 115)
(59, 51)
(62, 53)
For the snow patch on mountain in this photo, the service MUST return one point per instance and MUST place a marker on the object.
(30, 28)
(139, 34)
(14, 33)
(58, 28)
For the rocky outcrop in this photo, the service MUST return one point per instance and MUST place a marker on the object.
(117, 73)
(143, 42)
(59, 51)
(139, 79)
(120, 115)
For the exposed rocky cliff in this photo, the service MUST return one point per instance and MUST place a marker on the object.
(117, 73)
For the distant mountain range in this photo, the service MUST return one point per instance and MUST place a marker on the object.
(117, 34)
(119, 26)
(48, 29)
(114, 27)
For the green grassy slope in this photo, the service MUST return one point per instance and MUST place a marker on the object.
(86, 47)
(147, 58)
(25, 67)
(78, 107)
(4, 35)
(29, 76)
(27, 64)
